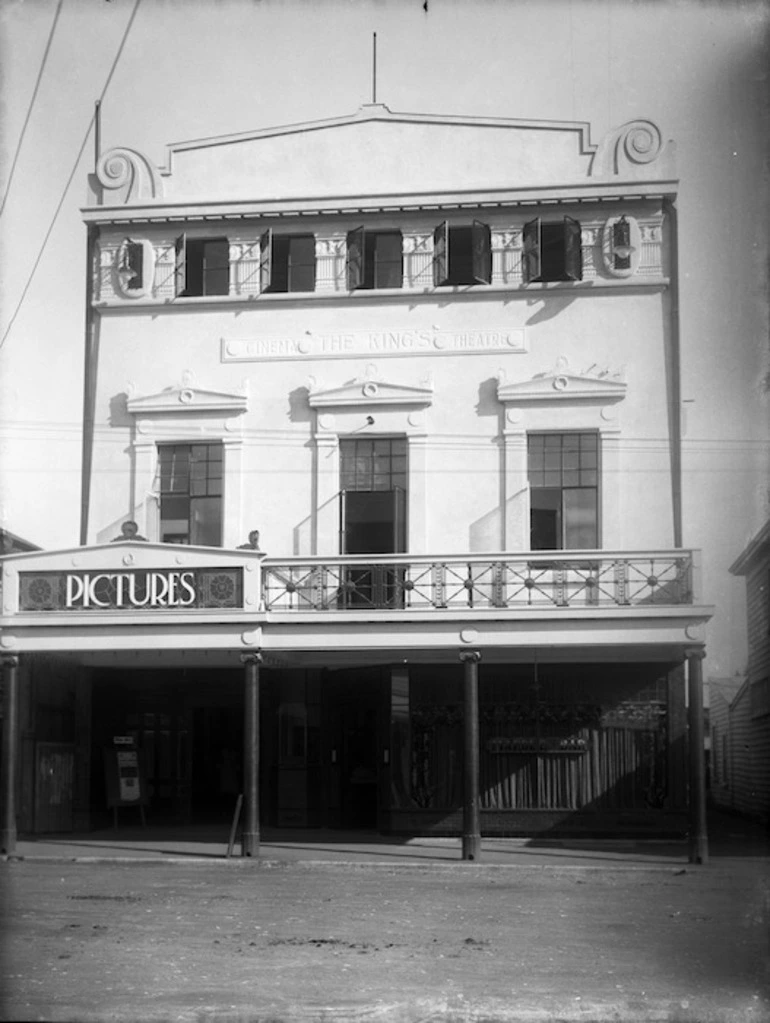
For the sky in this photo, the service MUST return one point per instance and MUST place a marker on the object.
(171, 70)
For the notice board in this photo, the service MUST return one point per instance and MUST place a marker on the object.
(123, 776)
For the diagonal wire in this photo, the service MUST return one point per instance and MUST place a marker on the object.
(31, 105)
(72, 174)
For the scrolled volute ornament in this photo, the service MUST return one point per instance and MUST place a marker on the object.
(130, 171)
(633, 144)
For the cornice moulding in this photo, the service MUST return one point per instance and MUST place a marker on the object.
(357, 205)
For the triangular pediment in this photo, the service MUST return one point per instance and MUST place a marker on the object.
(187, 399)
(565, 385)
(368, 391)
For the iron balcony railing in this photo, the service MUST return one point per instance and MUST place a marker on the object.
(555, 579)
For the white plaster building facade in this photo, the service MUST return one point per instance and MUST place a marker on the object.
(417, 382)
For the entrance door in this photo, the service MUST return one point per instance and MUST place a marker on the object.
(373, 517)
(353, 712)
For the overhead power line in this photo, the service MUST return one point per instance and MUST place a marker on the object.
(72, 174)
(31, 105)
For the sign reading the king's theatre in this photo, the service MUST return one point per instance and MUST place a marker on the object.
(135, 590)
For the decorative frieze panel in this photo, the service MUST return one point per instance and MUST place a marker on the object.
(165, 268)
(506, 256)
(330, 262)
(418, 258)
(651, 256)
(244, 266)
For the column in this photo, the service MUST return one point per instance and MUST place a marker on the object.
(250, 840)
(697, 788)
(471, 818)
(9, 766)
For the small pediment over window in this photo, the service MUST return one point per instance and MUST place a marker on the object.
(369, 391)
(565, 385)
(193, 399)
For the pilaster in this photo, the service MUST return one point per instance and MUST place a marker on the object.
(330, 261)
(418, 257)
(327, 478)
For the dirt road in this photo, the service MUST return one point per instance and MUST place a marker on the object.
(240, 941)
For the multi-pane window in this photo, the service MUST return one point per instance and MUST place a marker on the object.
(373, 463)
(287, 262)
(191, 493)
(202, 266)
(374, 259)
(564, 490)
(373, 478)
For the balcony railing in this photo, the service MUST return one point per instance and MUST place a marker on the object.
(571, 579)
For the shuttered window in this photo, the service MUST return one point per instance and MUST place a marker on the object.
(552, 251)
(374, 259)
(287, 262)
(462, 254)
(202, 266)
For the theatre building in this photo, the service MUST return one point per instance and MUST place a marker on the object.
(381, 494)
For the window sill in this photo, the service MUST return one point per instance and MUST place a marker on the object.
(470, 291)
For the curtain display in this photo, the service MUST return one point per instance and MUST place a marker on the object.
(536, 754)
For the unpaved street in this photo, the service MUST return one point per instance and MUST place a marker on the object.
(240, 941)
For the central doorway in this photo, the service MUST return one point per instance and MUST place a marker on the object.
(354, 710)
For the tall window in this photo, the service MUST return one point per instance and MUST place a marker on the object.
(202, 266)
(564, 490)
(191, 493)
(373, 477)
(373, 481)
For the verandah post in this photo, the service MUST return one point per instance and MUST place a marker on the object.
(471, 848)
(250, 839)
(697, 773)
(10, 759)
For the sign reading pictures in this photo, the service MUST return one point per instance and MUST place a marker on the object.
(135, 590)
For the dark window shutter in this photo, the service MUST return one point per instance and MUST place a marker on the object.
(482, 252)
(354, 259)
(180, 265)
(573, 251)
(531, 256)
(266, 260)
(441, 254)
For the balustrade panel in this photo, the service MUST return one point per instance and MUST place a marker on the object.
(561, 580)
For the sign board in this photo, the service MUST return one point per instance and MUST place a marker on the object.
(368, 343)
(529, 744)
(134, 590)
(122, 773)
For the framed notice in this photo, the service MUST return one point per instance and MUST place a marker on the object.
(123, 776)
